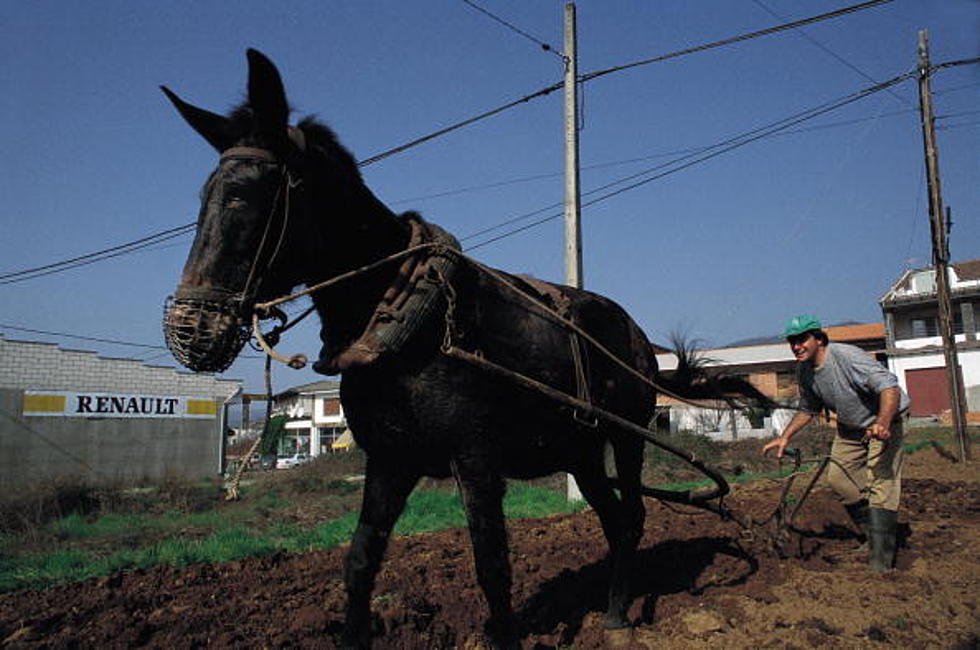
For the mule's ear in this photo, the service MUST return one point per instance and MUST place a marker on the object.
(211, 126)
(267, 97)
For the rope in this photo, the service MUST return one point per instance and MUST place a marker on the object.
(231, 492)
(443, 249)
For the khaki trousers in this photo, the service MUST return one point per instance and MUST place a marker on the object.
(867, 469)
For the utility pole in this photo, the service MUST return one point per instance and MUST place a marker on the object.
(940, 249)
(573, 234)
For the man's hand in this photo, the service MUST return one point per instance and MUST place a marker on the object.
(779, 444)
(878, 431)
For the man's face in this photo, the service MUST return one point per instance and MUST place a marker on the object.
(804, 346)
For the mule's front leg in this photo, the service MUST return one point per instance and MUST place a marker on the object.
(483, 495)
(385, 490)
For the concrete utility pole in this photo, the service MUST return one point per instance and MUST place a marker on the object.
(573, 234)
(940, 249)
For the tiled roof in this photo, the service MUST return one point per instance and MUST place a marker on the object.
(859, 332)
(967, 270)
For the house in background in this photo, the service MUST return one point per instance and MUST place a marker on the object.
(770, 366)
(316, 423)
(915, 352)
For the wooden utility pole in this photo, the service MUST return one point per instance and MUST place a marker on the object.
(940, 249)
(573, 201)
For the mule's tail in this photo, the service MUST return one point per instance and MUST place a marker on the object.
(694, 379)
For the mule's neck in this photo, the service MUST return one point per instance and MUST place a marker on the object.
(361, 232)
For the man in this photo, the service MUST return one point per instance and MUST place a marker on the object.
(866, 455)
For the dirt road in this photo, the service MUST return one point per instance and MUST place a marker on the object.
(700, 584)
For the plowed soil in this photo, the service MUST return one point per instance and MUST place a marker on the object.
(701, 583)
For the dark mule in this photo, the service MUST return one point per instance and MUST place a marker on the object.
(285, 207)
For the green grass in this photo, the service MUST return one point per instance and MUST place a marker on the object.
(426, 511)
(180, 530)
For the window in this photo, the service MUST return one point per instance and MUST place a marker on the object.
(331, 406)
(924, 327)
(328, 436)
(929, 325)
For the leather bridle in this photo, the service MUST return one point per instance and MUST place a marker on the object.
(206, 328)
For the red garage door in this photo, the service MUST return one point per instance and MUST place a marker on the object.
(928, 390)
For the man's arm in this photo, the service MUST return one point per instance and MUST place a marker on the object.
(800, 420)
(888, 401)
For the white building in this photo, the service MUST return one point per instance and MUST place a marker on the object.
(316, 423)
(915, 352)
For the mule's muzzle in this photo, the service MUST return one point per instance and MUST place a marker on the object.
(204, 334)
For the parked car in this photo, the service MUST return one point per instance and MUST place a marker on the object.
(285, 462)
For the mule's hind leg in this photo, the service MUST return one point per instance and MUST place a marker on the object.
(622, 519)
(386, 488)
(483, 494)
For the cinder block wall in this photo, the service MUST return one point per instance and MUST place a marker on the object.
(45, 366)
(102, 450)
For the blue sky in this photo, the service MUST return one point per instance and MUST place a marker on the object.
(820, 219)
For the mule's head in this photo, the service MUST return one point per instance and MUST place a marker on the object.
(243, 251)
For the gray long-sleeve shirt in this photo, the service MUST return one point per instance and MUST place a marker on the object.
(848, 383)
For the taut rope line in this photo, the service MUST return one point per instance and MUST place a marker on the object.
(263, 310)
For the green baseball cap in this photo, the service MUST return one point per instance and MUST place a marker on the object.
(802, 323)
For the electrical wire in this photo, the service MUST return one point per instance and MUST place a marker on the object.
(600, 73)
(629, 161)
(736, 39)
(543, 45)
(712, 152)
(27, 274)
(98, 256)
(834, 55)
(95, 339)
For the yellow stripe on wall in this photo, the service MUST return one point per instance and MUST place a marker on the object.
(44, 403)
(202, 407)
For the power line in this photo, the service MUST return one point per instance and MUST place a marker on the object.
(98, 256)
(23, 275)
(627, 161)
(775, 128)
(736, 39)
(951, 127)
(543, 45)
(91, 258)
(95, 339)
(593, 75)
(713, 151)
(827, 50)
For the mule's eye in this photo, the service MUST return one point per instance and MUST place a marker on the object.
(235, 203)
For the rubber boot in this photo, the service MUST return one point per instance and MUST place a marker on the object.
(859, 514)
(883, 524)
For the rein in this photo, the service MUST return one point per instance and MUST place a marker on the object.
(298, 361)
